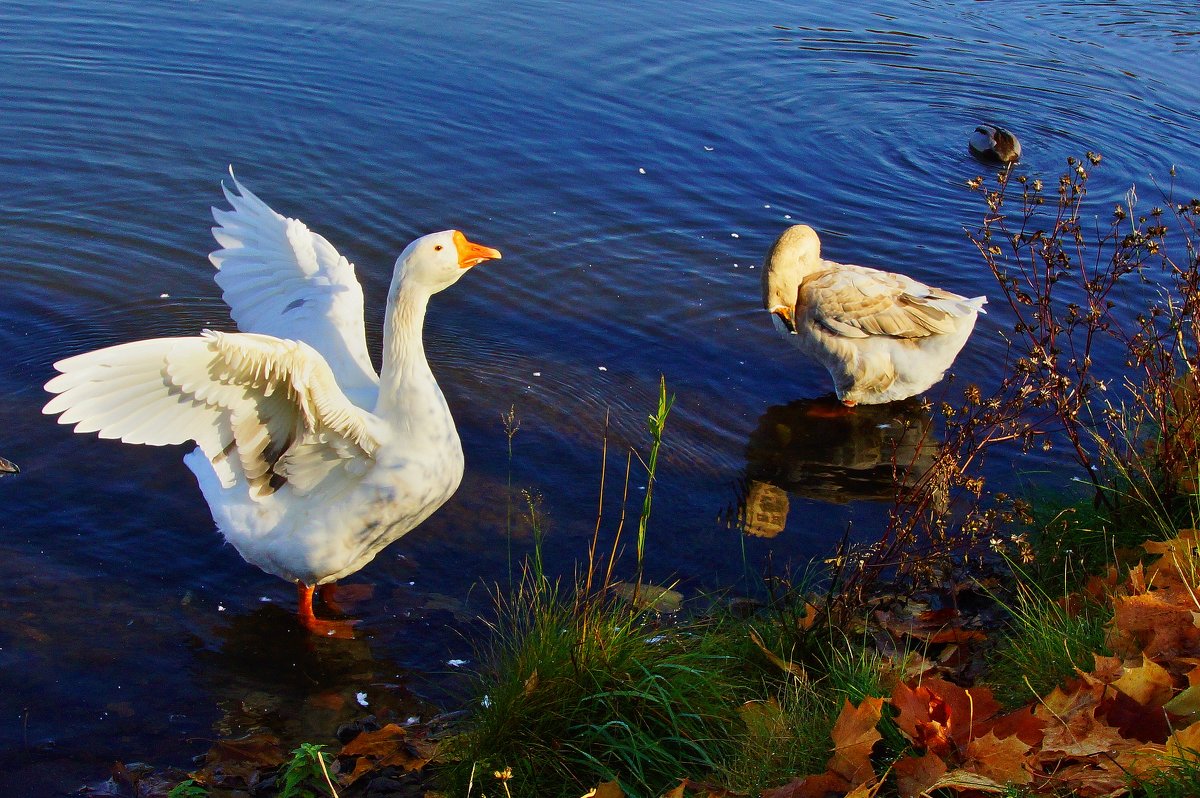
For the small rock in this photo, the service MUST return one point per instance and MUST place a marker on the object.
(348, 731)
(744, 607)
(384, 785)
(658, 599)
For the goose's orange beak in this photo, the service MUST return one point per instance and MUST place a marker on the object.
(785, 315)
(471, 254)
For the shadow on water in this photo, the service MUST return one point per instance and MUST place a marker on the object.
(820, 450)
(268, 675)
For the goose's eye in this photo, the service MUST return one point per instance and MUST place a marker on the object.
(438, 248)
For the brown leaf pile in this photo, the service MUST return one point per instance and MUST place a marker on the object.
(1135, 713)
(245, 762)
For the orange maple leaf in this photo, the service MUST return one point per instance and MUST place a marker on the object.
(1020, 723)
(1090, 779)
(1106, 670)
(1135, 580)
(821, 785)
(1181, 545)
(939, 716)
(1081, 734)
(391, 746)
(1100, 587)
(1152, 625)
(1001, 760)
(854, 735)
(917, 774)
(243, 759)
(1060, 703)
(924, 718)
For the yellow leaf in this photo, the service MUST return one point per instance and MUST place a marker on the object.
(763, 719)
(1150, 685)
(609, 789)
(1185, 744)
(789, 667)
(964, 780)
(676, 791)
(531, 684)
(1187, 703)
(866, 789)
(651, 597)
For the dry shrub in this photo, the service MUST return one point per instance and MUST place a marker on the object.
(1101, 361)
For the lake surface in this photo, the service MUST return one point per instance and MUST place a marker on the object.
(633, 165)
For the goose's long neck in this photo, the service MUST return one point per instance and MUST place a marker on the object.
(409, 395)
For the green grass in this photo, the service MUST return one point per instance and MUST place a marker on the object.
(307, 774)
(1075, 538)
(187, 789)
(781, 735)
(1180, 780)
(1043, 644)
(574, 692)
(578, 689)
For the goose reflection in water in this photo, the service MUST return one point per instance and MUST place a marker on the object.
(267, 676)
(816, 449)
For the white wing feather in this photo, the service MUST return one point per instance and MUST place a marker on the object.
(274, 402)
(281, 279)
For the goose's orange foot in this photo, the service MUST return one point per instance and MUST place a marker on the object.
(341, 599)
(830, 410)
(342, 630)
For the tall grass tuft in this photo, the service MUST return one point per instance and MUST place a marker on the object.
(577, 685)
(784, 733)
(512, 424)
(1046, 641)
(576, 692)
(657, 423)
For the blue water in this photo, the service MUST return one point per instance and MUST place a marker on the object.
(633, 164)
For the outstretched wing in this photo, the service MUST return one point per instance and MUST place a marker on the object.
(279, 278)
(261, 408)
(857, 302)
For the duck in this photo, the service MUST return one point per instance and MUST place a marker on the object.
(310, 461)
(994, 144)
(8, 467)
(882, 336)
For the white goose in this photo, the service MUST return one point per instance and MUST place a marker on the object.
(882, 336)
(310, 462)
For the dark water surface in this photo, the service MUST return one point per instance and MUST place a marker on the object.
(633, 164)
